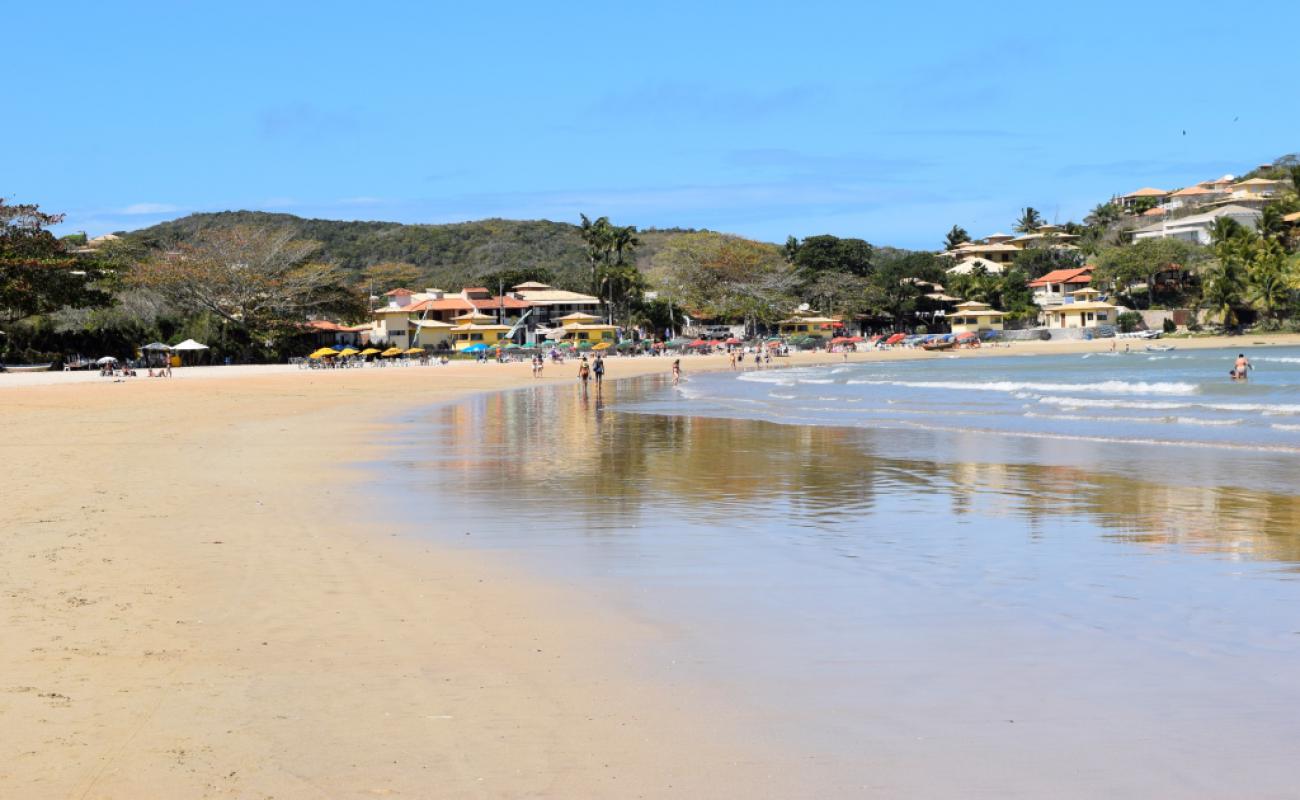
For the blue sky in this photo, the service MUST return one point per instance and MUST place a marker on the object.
(763, 119)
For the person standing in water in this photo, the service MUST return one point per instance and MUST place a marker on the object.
(677, 371)
(584, 372)
(1242, 368)
(598, 369)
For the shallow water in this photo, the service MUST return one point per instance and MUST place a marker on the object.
(1026, 600)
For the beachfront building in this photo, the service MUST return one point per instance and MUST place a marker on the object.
(475, 328)
(975, 317)
(426, 319)
(326, 333)
(1196, 228)
(808, 326)
(1054, 287)
(1081, 310)
(549, 304)
(579, 327)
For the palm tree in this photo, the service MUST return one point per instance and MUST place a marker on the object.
(1102, 215)
(1270, 291)
(955, 236)
(1225, 283)
(1225, 230)
(1271, 225)
(1030, 220)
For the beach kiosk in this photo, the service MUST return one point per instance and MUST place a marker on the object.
(579, 327)
(1083, 310)
(808, 326)
(476, 328)
(975, 317)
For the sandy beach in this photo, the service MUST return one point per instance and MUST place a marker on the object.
(200, 601)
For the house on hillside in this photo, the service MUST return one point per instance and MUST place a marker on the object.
(1196, 228)
(1130, 200)
(1256, 191)
(1002, 249)
(1194, 197)
(1056, 286)
(974, 264)
(1082, 309)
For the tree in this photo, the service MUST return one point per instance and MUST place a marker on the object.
(1030, 220)
(1225, 281)
(1143, 260)
(1037, 261)
(1141, 205)
(609, 248)
(1226, 229)
(262, 282)
(388, 275)
(818, 256)
(1270, 224)
(1103, 215)
(38, 275)
(725, 277)
(1269, 286)
(956, 235)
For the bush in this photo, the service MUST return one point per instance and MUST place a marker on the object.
(921, 329)
(1169, 326)
(1129, 321)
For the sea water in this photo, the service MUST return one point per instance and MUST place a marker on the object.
(1054, 575)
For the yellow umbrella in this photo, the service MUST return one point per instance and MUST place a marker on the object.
(392, 351)
(324, 352)
(414, 351)
(369, 351)
(349, 351)
(602, 346)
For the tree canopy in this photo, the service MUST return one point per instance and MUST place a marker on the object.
(38, 274)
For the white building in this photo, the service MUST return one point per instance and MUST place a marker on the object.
(973, 263)
(1196, 228)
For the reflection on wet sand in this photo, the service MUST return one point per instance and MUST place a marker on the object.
(567, 451)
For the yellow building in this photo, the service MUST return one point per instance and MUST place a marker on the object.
(1085, 312)
(973, 317)
(579, 327)
(475, 328)
(808, 326)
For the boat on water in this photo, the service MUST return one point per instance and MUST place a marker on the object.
(27, 367)
(1160, 348)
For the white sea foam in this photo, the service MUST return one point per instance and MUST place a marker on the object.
(1100, 387)
(816, 380)
(1155, 405)
(1281, 427)
(1278, 359)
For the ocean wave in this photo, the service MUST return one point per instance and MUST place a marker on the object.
(1283, 427)
(1278, 359)
(816, 380)
(1167, 420)
(1012, 387)
(1156, 405)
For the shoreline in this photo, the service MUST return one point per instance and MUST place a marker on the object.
(200, 603)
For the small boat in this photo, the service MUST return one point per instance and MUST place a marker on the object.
(1160, 348)
(28, 367)
(939, 344)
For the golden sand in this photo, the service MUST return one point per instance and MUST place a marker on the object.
(199, 602)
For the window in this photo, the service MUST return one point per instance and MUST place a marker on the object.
(1101, 315)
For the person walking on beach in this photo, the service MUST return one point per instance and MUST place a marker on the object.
(1241, 370)
(598, 369)
(538, 362)
(677, 371)
(732, 353)
(584, 372)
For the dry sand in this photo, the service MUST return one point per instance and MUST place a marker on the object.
(198, 602)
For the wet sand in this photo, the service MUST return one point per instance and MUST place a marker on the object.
(199, 601)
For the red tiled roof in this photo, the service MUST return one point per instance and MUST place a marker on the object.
(324, 325)
(445, 304)
(1078, 275)
(397, 292)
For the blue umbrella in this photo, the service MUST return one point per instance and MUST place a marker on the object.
(475, 348)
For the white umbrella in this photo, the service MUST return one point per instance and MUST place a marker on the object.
(190, 344)
(155, 347)
(107, 360)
